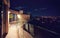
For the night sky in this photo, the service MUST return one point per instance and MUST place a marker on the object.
(37, 7)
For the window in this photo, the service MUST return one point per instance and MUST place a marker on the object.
(12, 17)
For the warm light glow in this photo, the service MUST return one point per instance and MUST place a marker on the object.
(8, 11)
(19, 16)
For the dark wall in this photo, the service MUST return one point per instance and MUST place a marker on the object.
(0, 23)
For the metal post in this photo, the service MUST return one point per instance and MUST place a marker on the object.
(2, 23)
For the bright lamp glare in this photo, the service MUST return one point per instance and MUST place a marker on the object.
(8, 11)
(19, 16)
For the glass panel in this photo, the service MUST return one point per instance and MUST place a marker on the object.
(31, 28)
(26, 27)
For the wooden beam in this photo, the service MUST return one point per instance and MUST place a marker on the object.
(14, 12)
(7, 2)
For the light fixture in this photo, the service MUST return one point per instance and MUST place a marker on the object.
(19, 16)
(8, 11)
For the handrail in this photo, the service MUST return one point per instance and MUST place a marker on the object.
(47, 30)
